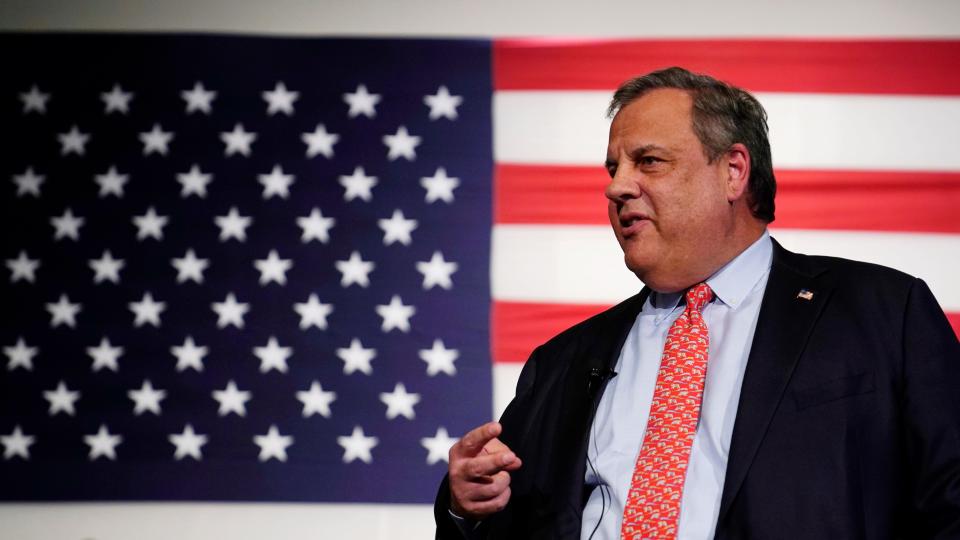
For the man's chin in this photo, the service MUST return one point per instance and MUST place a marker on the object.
(638, 265)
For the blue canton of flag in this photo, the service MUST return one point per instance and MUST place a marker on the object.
(242, 268)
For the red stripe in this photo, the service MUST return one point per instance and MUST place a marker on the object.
(767, 65)
(518, 327)
(902, 201)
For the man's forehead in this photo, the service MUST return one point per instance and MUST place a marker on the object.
(659, 118)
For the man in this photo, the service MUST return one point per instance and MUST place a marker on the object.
(746, 392)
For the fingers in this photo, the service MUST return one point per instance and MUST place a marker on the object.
(473, 443)
(488, 464)
(478, 500)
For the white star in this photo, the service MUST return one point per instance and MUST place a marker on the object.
(61, 399)
(23, 267)
(401, 144)
(232, 400)
(397, 228)
(111, 182)
(276, 183)
(150, 225)
(358, 184)
(106, 268)
(146, 398)
(438, 446)
(356, 358)
(20, 355)
(273, 445)
(34, 100)
(355, 270)
(440, 359)
(188, 443)
(230, 311)
(316, 400)
(194, 182)
(104, 356)
(233, 225)
(156, 140)
(74, 141)
(116, 100)
(320, 142)
(399, 402)
(28, 183)
(147, 311)
(313, 313)
(442, 104)
(237, 141)
(396, 315)
(361, 102)
(63, 312)
(16, 444)
(189, 267)
(437, 271)
(67, 225)
(315, 226)
(273, 268)
(198, 98)
(357, 446)
(103, 443)
(439, 186)
(280, 99)
(189, 355)
(273, 356)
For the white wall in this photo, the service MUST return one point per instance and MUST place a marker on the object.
(621, 18)
(624, 18)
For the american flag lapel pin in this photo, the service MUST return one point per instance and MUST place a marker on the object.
(805, 294)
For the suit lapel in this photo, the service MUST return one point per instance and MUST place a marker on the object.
(792, 302)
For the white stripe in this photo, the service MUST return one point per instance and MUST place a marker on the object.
(505, 376)
(559, 264)
(583, 264)
(806, 130)
(203, 521)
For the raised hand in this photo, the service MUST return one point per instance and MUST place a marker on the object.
(479, 470)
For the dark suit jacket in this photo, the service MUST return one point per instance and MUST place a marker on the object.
(848, 424)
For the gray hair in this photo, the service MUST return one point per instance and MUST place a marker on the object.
(723, 115)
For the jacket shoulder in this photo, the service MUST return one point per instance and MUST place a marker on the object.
(843, 271)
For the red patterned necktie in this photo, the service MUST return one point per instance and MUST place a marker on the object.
(652, 510)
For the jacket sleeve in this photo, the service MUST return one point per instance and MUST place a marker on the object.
(931, 415)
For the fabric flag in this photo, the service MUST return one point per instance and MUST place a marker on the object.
(281, 269)
(242, 268)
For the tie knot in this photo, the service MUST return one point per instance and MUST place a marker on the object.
(698, 296)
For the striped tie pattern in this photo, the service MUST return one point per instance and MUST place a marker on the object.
(652, 510)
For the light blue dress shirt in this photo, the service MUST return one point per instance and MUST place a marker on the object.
(618, 428)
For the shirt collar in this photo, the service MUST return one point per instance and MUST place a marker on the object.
(733, 281)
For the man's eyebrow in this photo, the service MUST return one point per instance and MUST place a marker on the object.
(640, 150)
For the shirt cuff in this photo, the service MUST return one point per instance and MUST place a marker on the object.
(468, 527)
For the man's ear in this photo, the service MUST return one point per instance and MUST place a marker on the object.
(737, 161)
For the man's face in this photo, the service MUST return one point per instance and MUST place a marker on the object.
(668, 206)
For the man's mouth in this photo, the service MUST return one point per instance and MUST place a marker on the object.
(631, 224)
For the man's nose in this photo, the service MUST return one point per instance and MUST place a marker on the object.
(622, 187)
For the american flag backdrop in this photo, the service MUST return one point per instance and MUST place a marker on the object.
(280, 269)
(241, 268)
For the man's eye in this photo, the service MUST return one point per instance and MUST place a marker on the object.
(649, 160)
